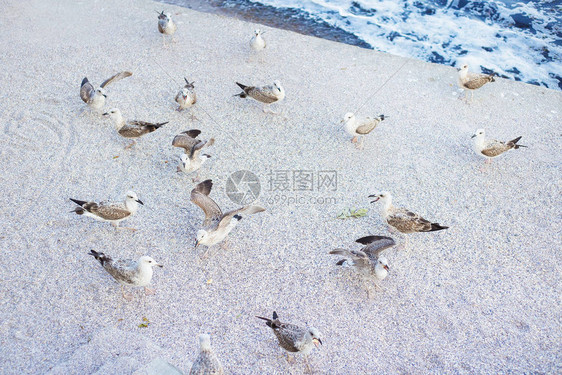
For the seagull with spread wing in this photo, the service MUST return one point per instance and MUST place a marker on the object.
(95, 97)
(192, 159)
(216, 225)
(368, 261)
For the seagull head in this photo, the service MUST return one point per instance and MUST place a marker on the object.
(348, 116)
(479, 134)
(132, 196)
(101, 91)
(149, 261)
(205, 341)
(258, 32)
(202, 235)
(184, 93)
(381, 268)
(316, 336)
(164, 16)
(463, 68)
(384, 195)
(185, 160)
(277, 85)
(113, 113)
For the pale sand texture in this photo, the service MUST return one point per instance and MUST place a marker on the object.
(480, 297)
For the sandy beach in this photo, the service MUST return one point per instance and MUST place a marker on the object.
(482, 297)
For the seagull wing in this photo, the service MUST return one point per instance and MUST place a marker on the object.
(374, 245)
(122, 270)
(87, 91)
(115, 211)
(264, 94)
(367, 126)
(200, 196)
(187, 140)
(239, 213)
(406, 221)
(495, 148)
(115, 78)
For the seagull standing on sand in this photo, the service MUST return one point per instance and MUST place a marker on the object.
(257, 43)
(360, 128)
(192, 159)
(368, 260)
(472, 81)
(216, 225)
(266, 94)
(109, 212)
(165, 25)
(490, 148)
(207, 363)
(401, 219)
(128, 272)
(186, 97)
(131, 128)
(294, 338)
(95, 98)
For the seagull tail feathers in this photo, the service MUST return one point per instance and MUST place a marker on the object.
(436, 227)
(514, 142)
(100, 257)
(84, 81)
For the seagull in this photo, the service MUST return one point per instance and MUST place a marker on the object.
(111, 212)
(128, 271)
(165, 25)
(293, 338)
(95, 98)
(403, 220)
(266, 94)
(131, 128)
(192, 159)
(186, 97)
(473, 81)
(257, 43)
(216, 225)
(368, 260)
(360, 128)
(490, 148)
(207, 363)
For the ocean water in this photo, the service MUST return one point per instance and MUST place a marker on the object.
(519, 40)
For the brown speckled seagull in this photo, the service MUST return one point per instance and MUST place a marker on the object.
(131, 128)
(207, 363)
(192, 159)
(490, 148)
(402, 219)
(266, 94)
(186, 97)
(109, 212)
(472, 81)
(368, 261)
(216, 225)
(95, 98)
(293, 338)
(128, 271)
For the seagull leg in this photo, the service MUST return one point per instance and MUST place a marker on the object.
(308, 368)
(128, 228)
(149, 291)
(360, 145)
(354, 139)
(130, 145)
(224, 244)
(127, 296)
(196, 178)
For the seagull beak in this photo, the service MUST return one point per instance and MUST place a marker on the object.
(386, 267)
(316, 342)
(159, 265)
(105, 114)
(474, 135)
(196, 242)
(105, 96)
(458, 69)
(139, 201)
(377, 198)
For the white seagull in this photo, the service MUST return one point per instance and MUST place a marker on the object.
(266, 94)
(192, 159)
(490, 148)
(95, 98)
(473, 81)
(165, 25)
(113, 213)
(128, 271)
(257, 43)
(207, 363)
(216, 225)
(360, 128)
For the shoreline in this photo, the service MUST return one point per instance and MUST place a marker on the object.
(482, 296)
